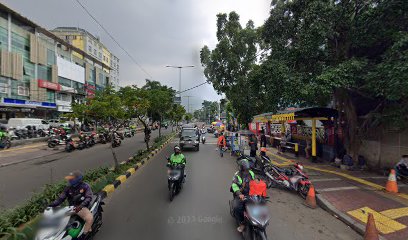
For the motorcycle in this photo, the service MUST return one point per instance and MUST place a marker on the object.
(116, 140)
(128, 133)
(256, 216)
(63, 224)
(69, 144)
(175, 179)
(257, 164)
(203, 139)
(103, 138)
(55, 140)
(5, 142)
(290, 178)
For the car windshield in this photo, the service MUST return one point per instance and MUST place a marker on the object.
(189, 132)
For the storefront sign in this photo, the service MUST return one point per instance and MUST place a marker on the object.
(9, 109)
(49, 85)
(22, 103)
(67, 89)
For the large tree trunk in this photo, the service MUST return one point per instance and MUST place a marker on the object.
(146, 135)
(349, 122)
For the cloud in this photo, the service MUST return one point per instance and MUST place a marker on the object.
(155, 32)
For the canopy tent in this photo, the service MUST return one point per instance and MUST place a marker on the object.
(295, 114)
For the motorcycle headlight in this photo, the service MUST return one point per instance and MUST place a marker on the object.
(181, 141)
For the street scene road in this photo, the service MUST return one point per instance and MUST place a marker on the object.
(46, 166)
(310, 96)
(141, 206)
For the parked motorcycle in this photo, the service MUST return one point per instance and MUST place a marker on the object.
(102, 138)
(256, 217)
(63, 224)
(175, 180)
(290, 178)
(69, 144)
(128, 133)
(5, 142)
(56, 140)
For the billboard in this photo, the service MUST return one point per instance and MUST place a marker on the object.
(177, 100)
(70, 70)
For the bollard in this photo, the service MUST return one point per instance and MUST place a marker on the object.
(296, 149)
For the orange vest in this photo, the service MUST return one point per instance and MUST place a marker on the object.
(222, 141)
(257, 188)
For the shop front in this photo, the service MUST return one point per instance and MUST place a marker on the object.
(16, 108)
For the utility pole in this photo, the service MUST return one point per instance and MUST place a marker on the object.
(179, 67)
(188, 103)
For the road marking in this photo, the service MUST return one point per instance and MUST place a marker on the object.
(336, 188)
(396, 212)
(326, 179)
(20, 148)
(359, 180)
(121, 178)
(109, 188)
(384, 224)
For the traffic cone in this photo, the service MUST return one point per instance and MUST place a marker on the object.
(371, 232)
(391, 185)
(311, 198)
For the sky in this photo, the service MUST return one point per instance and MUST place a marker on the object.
(155, 32)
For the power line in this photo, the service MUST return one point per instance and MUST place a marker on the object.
(111, 36)
(188, 89)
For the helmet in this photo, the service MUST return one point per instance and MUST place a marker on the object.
(74, 178)
(243, 164)
(263, 149)
(177, 149)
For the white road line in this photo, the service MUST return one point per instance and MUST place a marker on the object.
(375, 177)
(337, 189)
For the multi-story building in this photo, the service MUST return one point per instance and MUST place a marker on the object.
(92, 45)
(41, 74)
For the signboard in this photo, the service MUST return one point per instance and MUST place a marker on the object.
(177, 100)
(49, 85)
(70, 70)
(22, 103)
(67, 89)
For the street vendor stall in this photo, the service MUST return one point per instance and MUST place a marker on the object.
(286, 122)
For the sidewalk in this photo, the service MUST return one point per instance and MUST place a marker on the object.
(351, 195)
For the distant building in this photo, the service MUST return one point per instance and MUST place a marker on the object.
(92, 45)
(42, 74)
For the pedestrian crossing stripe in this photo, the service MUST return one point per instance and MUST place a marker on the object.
(384, 220)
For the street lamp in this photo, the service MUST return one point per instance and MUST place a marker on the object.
(179, 67)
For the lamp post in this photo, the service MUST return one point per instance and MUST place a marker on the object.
(179, 67)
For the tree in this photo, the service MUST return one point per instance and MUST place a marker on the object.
(160, 98)
(188, 117)
(228, 66)
(177, 113)
(341, 50)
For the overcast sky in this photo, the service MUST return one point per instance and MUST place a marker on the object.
(155, 32)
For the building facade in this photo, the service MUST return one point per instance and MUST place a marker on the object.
(41, 74)
(92, 45)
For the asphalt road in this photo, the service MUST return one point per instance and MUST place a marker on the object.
(140, 209)
(42, 166)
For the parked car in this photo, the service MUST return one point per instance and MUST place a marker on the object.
(24, 122)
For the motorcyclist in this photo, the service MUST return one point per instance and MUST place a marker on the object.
(177, 158)
(79, 195)
(3, 132)
(240, 189)
(221, 143)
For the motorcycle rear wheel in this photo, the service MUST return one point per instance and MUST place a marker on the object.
(304, 190)
(51, 144)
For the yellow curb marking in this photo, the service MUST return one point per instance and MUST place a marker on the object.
(139, 165)
(359, 180)
(25, 147)
(121, 178)
(131, 170)
(109, 188)
(383, 223)
(396, 212)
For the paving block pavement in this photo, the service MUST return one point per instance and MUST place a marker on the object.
(351, 195)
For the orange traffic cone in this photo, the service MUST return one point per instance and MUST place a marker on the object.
(311, 198)
(392, 186)
(371, 232)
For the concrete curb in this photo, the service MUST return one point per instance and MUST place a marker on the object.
(353, 224)
(110, 188)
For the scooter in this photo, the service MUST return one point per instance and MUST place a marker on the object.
(290, 178)
(128, 133)
(116, 140)
(5, 143)
(175, 179)
(55, 140)
(203, 139)
(64, 224)
(69, 144)
(256, 217)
